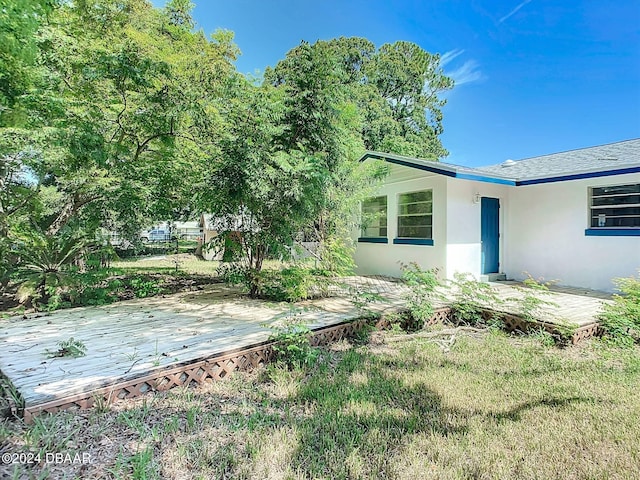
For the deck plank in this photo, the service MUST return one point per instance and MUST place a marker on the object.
(134, 338)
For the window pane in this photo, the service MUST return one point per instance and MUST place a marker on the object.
(424, 196)
(374, 217)
(412, 208)
(616, 189)
(617, 200)
(615, 206)
(414, 232)
(415, 213)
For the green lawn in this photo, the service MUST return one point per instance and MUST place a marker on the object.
(186, 263)
(398, 407)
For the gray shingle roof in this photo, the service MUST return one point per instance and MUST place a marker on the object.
(612, 156)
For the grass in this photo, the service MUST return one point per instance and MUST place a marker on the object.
(493, 407)
(187, 263)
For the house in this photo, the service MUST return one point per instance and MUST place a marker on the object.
(210, 227)
(189, 230)
(573, 217)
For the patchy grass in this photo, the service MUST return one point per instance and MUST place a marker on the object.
(186, 263)
(124, 280)
(493, 407)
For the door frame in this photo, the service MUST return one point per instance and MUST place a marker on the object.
(485, 203)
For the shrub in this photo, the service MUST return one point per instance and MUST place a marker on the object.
(292, 345)
(620, 321)
(470, 299)
(422, 291)
(290, 284)
(530, 305)
(233, 273)
(145, 287)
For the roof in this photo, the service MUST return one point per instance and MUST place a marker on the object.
(603, 160)
(186, 225)
(441, 168)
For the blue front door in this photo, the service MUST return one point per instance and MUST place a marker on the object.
(490, 235)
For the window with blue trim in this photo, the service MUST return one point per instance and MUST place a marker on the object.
(415, 215)
(374, 218)
(615, 207)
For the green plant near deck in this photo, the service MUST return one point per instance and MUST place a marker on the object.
(530, 306)
(145, 287)
(291, 343)
(470, 299)
(290, 284)
(44, 264)
(68, 348)
(361, 299)
(620, 321)
(422, 291)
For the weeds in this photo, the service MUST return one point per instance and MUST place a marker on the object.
(291, 343)
(470, 299)
(422, 291)
(620, 321)
(71, 348)
(530, 306)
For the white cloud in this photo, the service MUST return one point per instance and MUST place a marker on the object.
(468, 72)
(513, 12)
(448, 57)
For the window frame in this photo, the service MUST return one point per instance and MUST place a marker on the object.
(414, 240)
(366, 236)
(599, 229)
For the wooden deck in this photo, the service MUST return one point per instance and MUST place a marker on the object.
(133, 339)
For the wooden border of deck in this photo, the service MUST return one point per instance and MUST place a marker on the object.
(251, 357)
(196, 372)
(514, 323)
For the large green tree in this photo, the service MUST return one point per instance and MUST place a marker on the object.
(107, 109)
(289, 156)
(344, 96)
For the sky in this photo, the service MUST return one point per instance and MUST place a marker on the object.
(532, 76)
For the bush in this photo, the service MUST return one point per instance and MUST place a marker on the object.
(292, 345)
(422, 291)
(290, 284)
(234, 273)
(530, 305)
(470, 299)
(620, 321)
(287, 285)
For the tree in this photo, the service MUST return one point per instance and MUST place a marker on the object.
(255, 186)
(117, 104)
(128, 94)
(344, 96)
(19, 22)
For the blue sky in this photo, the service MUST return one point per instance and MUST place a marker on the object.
(533, 76)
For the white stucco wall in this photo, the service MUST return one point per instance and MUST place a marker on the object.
(545, 230)
(542, 231)
(463, 224)
(386, 259)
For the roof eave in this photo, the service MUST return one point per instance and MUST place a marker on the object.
(448, 170)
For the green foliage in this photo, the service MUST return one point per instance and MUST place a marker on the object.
(71, 348)
(470, 298)
(361, 298)
(290, 284)
(45, 262)
(530, 305)
(291, 343)
(422, 291)
(144, 287)
(233, 273)
(620, 321)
